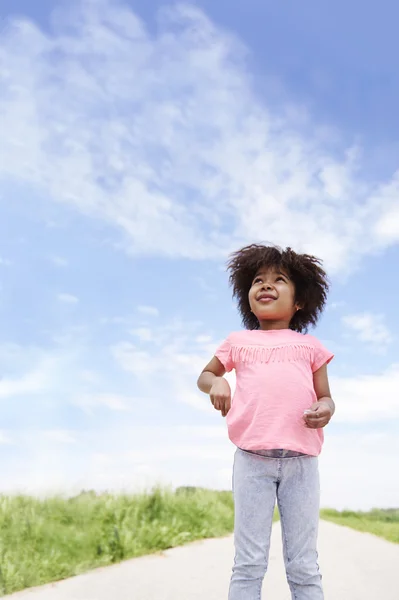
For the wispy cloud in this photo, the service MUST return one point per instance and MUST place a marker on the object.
(5, 262)
(59, 436)
(125, 455)
(104, 460)
(172, 355)
(177, 362)
(68, 298)
(151, 311)
(143, 333)
(112, 401)
(4, 439)
(386, 228)
(335, 305)
(191, 455)
(363, 453)
(58, 261)
(32, 382)
(183, 121)
(367, 398)
(369, 328)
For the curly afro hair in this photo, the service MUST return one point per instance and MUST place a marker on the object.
(305, 271)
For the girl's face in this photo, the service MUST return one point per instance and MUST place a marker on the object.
(272, 298)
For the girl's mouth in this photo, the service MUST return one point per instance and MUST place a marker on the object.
(266, 298)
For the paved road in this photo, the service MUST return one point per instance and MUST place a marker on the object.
(356, 566)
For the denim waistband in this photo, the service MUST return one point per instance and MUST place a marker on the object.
(275, 453)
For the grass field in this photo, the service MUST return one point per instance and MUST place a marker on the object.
(48, 540)
(384, 523)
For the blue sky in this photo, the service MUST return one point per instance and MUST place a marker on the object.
(141, 143)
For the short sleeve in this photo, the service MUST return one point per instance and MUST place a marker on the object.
(224, 354)
(322, 356)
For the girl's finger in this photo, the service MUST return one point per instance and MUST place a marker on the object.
(310, 414)
(314, 416)
(225, 408)
(316, 424)
(311, 420)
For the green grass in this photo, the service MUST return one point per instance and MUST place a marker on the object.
(384, 523)
(48, 540)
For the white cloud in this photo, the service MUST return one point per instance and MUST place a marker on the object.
(32, 373)
(174, 360)
(129, 459)
(68, 298)
(182, 122)
(369, 328)
(90, 377)
(335, 305)
(357, 470)
(151, 311)
(115, 402)
(132, 359)
(58, 261)
(59, 436)
(386, 227)
(367, 398)
(4, 439)
(203, 339)
(118, 458)
(179, 362)
(115, 320)
(130, 455)
(5, 262)
(32, 382)
(143, 333)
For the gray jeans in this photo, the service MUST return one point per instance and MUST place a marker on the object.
(257, 482)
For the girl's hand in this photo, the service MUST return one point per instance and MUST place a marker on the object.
(220, 395)
(318, 415)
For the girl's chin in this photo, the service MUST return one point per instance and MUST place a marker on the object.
(267, 314)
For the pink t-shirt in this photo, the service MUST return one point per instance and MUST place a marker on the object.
(274, 386)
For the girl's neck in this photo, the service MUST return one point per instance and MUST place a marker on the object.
(273, 325)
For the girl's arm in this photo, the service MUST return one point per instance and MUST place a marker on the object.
(322, 388)
(212, 382)
(214, 370)
(322, 410)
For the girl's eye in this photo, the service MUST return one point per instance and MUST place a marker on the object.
(257, 280)
(280, 279)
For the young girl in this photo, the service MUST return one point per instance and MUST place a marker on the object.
(281, 403)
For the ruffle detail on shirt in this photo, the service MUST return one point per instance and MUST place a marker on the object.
(264, 354)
